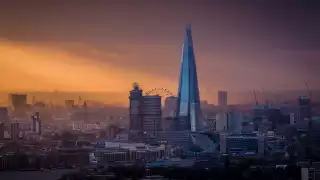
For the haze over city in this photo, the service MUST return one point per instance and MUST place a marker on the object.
(104, 46)
(160, 89)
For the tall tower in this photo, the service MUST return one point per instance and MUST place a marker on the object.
(188, 104)
(222, 98)
(136, 98)
(304, 111)
(36, 123)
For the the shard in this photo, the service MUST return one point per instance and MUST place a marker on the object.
(188, 106)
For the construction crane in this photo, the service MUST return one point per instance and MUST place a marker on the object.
(255, 97)
(308, 89)
(79, 101)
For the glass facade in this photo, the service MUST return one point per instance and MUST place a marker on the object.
(188, 105)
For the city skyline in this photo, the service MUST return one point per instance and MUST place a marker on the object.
(102, 46)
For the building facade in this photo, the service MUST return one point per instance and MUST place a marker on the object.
(188, 104)
(304, 111)
(4, 115)
(151, 110)
(136, 98)
(241, 144)
(176, 138)
(170, 106)
(15, 131)
(222, 98)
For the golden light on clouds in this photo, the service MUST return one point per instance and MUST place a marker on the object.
(46, 68)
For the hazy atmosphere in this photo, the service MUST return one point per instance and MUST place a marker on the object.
(107, 45)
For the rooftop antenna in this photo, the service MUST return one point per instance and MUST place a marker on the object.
(79, 101)
(255, 97)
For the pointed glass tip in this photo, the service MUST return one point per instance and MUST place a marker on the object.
(188, 27)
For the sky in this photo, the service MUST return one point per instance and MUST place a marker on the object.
(103, 45)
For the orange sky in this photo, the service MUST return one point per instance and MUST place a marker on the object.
(106, 45)
(47, 68)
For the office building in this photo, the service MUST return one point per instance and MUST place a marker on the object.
(260, 112)
(170, 106)
(188, 104)
(36, 123)
(129, 152)
(18, 101)
(234, 122)
(136, 98)
(2, 128)
(69, 103)
(222, 99)
(151, 110)
(277, 118)
(176, 138)
(274, 145)
(310, 171)
(169, 124)
(4, 117)
(221, 122)
(292, 118)
(241, 144)
(247, 127)
(304, 111)
(15, 131)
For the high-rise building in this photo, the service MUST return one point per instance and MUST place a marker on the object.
(2, 131)
(222, 115)
(19, 104)
(234, 122)
(136, 98)
(188, 104)
(221, 122)
(304, 111)
(69, 103)
(292, 118)
(18, 101)
(36, 123)
(151, 110)
(15, 131)
(4, 116)
(170, 106)
(222, 99)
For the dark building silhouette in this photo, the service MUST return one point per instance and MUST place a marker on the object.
(151, 110)
(19, 104)
(135, 110)
(15, 131)
(276, 118)
(69, 103)
(304, 111)
(36, 123)
(2, 127)
(4, 116)
(222, 98)
(18, 101)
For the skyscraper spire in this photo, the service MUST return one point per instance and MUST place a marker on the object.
(188, 110)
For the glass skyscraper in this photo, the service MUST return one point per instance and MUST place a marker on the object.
(188, 105)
